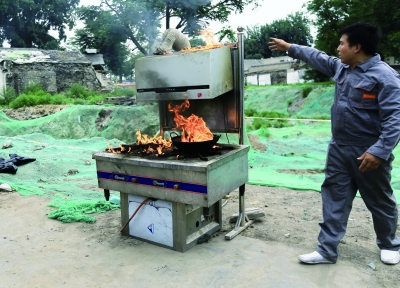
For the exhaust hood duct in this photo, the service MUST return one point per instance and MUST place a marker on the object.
(172, 40)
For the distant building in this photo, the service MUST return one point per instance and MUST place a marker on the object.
(393, 63)
(278, 70)
(99, 66)
(390, 60)
(283, 70)
(55, 70)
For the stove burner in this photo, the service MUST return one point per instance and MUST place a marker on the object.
(171, 152)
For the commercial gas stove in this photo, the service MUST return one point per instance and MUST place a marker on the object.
(185, 194)
(175, 200)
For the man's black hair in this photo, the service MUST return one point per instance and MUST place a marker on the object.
(367, 35)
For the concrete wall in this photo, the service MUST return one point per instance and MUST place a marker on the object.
(293, 77)
(2, 80)
(276, 77)
(54, 77)
(261, 79)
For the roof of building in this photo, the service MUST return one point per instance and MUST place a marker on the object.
(33, 55)
(96, 59)
(90, 51)
(269, 64)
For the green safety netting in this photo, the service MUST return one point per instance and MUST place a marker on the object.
(295, 158)
(63, 144)
(63, 171)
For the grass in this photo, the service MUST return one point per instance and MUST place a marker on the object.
(34, 95)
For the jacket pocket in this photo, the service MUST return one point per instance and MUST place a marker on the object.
(365, 95)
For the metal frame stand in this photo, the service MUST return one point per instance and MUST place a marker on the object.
(242, 221)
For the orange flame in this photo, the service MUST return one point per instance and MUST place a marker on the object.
(122, 149)
(144, 139)
(110, 149)
(211, 43)
(208, 34)
(194, 128)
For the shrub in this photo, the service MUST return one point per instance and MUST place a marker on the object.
(77, 91)
(32, 88)
(123, 92)
(258, 123)
(273, 114)
(306, 91)
(96, 99)
(250, 112)
(264, 132)
(42, 99)
(78, 102)
(23, 100)
(60, 99)
(249, 128)
(281, 124)
(33, 96)
(130, 92)
(7, 95)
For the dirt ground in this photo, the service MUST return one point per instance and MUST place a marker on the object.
(40, 252)
(33, 112)
(36, 251)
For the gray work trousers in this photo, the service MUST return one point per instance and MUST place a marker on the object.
(342, 180)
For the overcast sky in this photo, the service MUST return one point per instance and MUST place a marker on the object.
(267, 12)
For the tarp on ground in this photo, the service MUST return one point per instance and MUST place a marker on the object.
(63, 144)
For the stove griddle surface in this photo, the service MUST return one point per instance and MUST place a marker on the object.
(171, 155)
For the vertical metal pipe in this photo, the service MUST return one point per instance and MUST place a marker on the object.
(241, 115)
(241, 83)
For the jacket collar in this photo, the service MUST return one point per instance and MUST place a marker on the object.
(370, 62)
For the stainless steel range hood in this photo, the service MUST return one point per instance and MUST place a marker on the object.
(203, 74)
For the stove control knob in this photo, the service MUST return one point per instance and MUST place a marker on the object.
(134, 180)
(176, 186)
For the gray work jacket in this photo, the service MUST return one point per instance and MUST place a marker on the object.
(366, 108)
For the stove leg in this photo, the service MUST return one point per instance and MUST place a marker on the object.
(107, 194)
(242, 221)
(241, 205)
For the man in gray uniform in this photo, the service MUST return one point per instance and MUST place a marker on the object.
(365, 119)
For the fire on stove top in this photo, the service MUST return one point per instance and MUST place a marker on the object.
(195, 140)
(187, 180)
(150, 152)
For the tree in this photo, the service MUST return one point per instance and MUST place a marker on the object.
(115, 25)
(256, 42)
(294, 29)
(27, 23)
(333, 15)
(107, 38)
(228, 33)
(194, 15)
(140, 20)
(195, 41)
(129, 65)
(134, 21)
